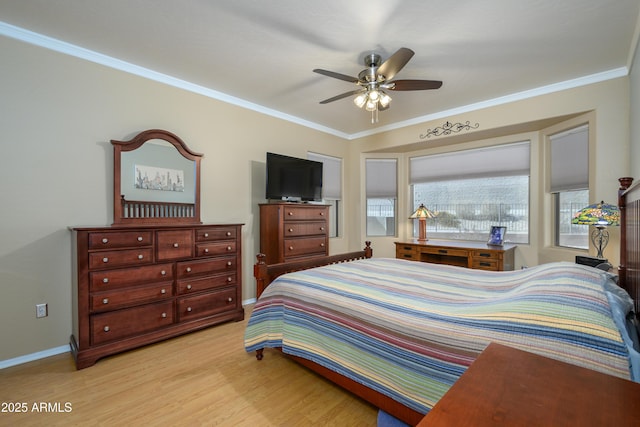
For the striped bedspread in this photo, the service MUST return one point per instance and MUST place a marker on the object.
(409, 329)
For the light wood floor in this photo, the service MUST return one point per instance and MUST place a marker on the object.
(203, 378)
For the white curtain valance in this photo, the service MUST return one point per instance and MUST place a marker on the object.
(570, 160)
(382, 178)
(502, 160)
(331, 175)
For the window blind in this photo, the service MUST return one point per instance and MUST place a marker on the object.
(331, 175)
(570, 160)
(502, 160)
(382, 178)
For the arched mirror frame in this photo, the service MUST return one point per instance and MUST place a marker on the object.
(155, 212)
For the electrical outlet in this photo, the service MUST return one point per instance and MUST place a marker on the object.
(42, 310)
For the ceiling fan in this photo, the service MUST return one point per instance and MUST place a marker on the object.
(376, 79)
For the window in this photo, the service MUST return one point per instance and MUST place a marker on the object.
(331, 188)
(381, 191)
(473, 190)
(570, 184)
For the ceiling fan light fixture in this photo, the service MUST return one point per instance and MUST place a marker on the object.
(371, 105)
(384, 100)
(360, 100)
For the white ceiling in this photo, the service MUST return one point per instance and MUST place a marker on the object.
(261, 54)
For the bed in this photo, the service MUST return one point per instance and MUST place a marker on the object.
(399, 333)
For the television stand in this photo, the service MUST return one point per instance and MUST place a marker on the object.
(291, 231)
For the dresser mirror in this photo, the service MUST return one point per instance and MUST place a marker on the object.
(156, 180)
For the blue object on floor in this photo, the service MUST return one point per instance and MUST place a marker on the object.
(386, 420)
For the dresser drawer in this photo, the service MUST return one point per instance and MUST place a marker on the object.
(304, 247)
(482, 254)
(121, 258)
(123, 277)
(130, 322)
(121, 239)
(187, 269)
(445, 251)
(174, 244)
(205, 283)
(113, 300)
(295, 229)
(485, 264)
(221, 233)
(294, 213)
(215, 248)
(407, 252)
(190, 308)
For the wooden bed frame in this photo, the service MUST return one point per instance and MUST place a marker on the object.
(629, 279)
(629, 269)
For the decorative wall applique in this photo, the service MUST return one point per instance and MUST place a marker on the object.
(448, 128)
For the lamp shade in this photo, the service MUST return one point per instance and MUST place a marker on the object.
(601, 214)
(423, 212)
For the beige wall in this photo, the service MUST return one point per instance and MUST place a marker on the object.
(59, 114)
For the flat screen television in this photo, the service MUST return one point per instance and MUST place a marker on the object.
(293, 179)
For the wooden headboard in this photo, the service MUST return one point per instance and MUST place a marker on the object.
(629, 269)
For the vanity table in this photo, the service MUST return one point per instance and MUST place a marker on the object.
(157, 272)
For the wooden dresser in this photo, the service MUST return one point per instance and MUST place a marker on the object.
(463, 254)
(505, 386)
(135, 285)
(290, 231)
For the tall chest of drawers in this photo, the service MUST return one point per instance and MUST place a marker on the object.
(138, 285)
(291, 231)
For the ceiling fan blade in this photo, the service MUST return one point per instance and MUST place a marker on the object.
(414, 84)
(342, 95)
(395, 63)
(336, 75)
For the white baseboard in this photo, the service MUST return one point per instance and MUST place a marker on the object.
(34, 356)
